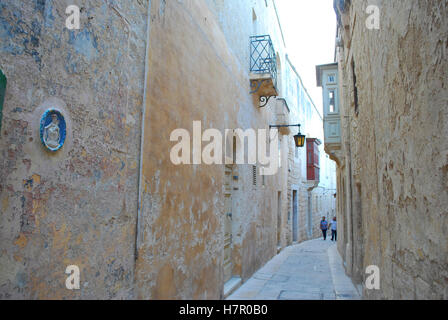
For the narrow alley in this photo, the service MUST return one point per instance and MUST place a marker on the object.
(311, 270)
(199, 150)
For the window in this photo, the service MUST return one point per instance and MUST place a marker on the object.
(313, 154)
(355, 88)
(331, 78)
(332, 98)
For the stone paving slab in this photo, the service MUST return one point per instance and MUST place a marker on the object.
(311, 270)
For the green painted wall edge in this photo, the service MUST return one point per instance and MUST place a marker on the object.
(2, 95)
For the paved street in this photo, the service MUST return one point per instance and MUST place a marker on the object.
(311, 270)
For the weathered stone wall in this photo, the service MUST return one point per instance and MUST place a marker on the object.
(195, 74)
(79, 205)
(395, 157)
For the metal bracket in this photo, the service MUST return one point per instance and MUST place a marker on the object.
(264, 100)
(284, 126)
(256, 84)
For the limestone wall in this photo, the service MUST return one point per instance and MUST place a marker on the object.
(395, 155)
(77, 206)
(197, 72)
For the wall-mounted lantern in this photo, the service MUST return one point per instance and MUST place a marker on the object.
(299, 138)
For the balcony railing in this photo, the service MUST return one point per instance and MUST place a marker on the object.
(262, 57)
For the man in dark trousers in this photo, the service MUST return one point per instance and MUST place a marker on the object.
(334, 228)
(324, 227)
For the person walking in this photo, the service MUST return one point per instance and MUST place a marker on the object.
(334, 227)
(324, 227)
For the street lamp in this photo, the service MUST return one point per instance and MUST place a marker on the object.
(299, 138)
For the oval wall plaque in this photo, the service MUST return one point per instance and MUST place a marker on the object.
(52, 129)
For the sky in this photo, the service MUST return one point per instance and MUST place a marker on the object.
(309, 29)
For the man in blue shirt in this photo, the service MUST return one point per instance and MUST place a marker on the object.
(324, 227)
(334, 232)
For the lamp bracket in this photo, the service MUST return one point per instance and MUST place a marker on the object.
(264, 100)
(284, 125)
(299, 139)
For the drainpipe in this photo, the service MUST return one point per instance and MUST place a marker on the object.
(310, 210)
(138, 230)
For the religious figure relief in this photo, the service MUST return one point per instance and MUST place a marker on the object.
(52, 134)
(52, 129)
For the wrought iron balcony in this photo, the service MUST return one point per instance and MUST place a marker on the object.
(263, 65)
